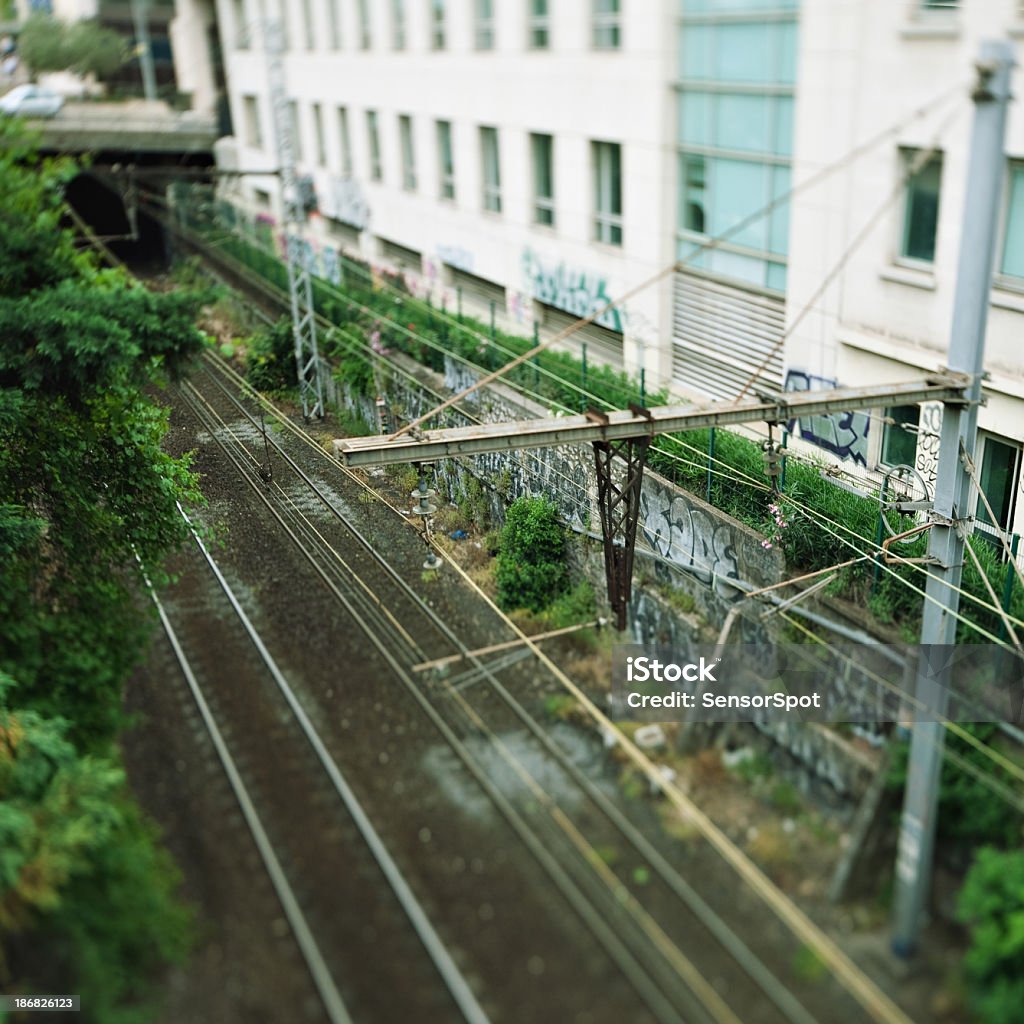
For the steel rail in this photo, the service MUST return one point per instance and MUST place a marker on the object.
(314, 959)
(774, 990)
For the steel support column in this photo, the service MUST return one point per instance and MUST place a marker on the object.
(618, 498)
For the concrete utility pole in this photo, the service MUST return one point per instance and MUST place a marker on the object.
(949, 515)
(300, 279)
(140, 16)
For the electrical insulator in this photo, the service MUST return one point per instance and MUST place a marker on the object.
(773, 456)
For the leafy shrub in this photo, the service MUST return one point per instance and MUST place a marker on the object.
(531, 570)
(576, 605)
(969, 814)
(271, 360)
(85, 47)
(991, 904)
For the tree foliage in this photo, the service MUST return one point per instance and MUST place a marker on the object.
(85, 47)
(86, 494)
(270, 364)
(78, 861)
(531, 570)
(969, 814)
(85, 487)
(991, 904)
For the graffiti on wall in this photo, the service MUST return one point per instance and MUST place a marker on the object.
(457, 257)
(928, 431)
(576, 291)
(687, 536)
(343, 199)
(844, 434)
(518, 305)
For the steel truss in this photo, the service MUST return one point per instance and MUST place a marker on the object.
(300, 280)
(620, 470)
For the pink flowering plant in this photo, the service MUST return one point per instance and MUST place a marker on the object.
(776, 528)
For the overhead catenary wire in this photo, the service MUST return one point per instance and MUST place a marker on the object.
(997, 758)
(872, 999)
(881, 1007)
(984, 749)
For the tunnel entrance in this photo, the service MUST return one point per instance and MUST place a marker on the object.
(102, 200)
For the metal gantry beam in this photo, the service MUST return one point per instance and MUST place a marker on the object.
(621, 440)
(433, 445)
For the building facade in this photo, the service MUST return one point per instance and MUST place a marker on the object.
(865, 68)
(505, 153)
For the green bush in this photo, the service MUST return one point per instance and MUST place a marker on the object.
(969, 814)
(991, 904)
(531, 570)
(576, 605)
(270, 365)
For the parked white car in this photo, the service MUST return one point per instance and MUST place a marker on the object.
(31, 101)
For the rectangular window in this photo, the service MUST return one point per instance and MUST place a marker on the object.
(1000, 472)
(241, 22)
(939, 5)
(307, 25)
(692, 178)
(373, 139)
(344, 143)
(408, 153)
(437, 28)
(607, 159)
(607, 33)
(542, 153)
(365, 35)
(398, 24)
(318, 132)
(1012, 263)
(491, 169)
(899, 438)
(445, 161)
(485, 24)
(295, 128)
(334, 24)
(251, 112)
(921, 210)
(538, 35)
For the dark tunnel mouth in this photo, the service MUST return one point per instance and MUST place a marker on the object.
(102, 206)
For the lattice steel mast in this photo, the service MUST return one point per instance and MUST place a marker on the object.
(300, 281)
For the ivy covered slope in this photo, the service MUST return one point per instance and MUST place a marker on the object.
(86, 895)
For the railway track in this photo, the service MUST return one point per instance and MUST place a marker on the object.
(364, 880)
(644, 926)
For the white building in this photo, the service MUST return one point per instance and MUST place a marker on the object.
(505, 152)
(863, 68)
